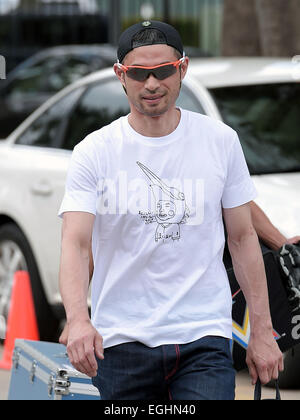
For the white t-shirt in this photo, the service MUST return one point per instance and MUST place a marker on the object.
(158, 237)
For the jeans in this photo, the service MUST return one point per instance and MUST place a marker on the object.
(202, 370)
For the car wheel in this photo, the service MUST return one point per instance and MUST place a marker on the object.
(15, 255)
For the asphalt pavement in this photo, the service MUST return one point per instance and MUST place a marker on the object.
(244, 389)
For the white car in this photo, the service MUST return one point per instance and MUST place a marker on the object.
(260, 98)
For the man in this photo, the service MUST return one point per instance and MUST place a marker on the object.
(149, 191)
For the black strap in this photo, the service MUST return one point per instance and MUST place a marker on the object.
(257, 392)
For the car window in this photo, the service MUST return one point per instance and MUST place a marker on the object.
(70, 67)
(266, 118)
(53, 73)
(45, 130)
(102, 103)
(187, 100)
(28, 80)
(36, 77)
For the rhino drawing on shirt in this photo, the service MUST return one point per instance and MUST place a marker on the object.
(171, 209)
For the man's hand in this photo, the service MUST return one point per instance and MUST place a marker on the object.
(293, 241)
(82, 344)
(63, 339)
(264, 358)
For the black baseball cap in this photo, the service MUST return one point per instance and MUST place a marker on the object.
(170, 35)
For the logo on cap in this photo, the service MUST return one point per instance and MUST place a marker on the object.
(146, 24)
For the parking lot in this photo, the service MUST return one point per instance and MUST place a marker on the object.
(244, 389)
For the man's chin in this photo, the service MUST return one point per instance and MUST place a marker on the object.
(153, 111)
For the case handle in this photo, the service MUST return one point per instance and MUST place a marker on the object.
(257, 391)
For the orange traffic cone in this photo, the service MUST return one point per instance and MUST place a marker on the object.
(21, 321)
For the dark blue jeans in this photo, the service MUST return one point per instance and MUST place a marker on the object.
(202, 370)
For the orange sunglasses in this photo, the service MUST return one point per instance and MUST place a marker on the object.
(161, 72)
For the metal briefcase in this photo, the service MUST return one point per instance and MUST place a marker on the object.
(42, 371)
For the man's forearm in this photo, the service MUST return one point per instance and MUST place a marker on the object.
(74, 280)
(250, 272)
(264, 358)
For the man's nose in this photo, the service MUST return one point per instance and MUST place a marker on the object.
(152, 83)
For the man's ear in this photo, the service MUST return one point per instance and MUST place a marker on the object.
(121, 76)
(184, 67)
(119, 73)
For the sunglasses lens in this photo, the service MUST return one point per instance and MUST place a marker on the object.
(161, 73)
(140, 75)
(164, 72)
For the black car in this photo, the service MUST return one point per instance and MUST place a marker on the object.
(31, 83)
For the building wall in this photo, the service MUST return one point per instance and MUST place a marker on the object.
(27, 26)
(204, 16)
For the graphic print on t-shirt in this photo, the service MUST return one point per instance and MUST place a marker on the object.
(171, 209)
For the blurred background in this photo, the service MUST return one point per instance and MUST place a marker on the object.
(216, 27)
(30, 29)
(245, 70)
(27, 26)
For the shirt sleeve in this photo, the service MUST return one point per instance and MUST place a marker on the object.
(239, 188)
(81, 184)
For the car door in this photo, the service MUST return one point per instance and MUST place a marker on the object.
(41, 157)
(103, 102)
(22, 94)
(32, 184)
(187, 100)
